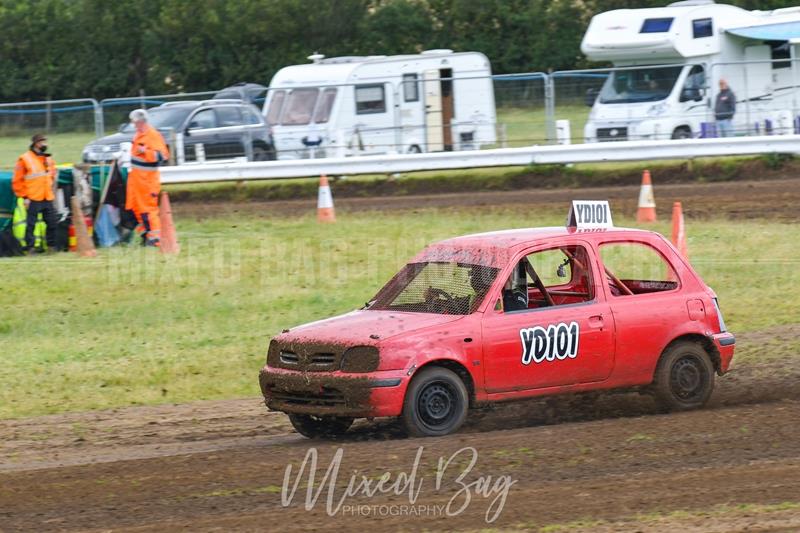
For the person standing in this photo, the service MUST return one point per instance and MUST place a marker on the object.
(33, 181)
(724, 109)
(148, 152)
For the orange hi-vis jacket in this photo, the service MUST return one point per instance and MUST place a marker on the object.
(148, 152)
(34, 176)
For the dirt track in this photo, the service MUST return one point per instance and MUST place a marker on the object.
(607, 463)
(773, 199)
(221, 464)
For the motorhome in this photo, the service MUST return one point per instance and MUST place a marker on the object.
(438, 100)
(669, 62)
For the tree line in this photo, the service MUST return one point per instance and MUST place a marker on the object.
(101, 48)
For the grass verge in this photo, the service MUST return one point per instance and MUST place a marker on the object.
(133, 327)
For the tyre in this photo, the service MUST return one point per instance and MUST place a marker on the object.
(682, 133)
(436, 403)
(261, 153)
(414, 149)
(684, 378)
(315, 427)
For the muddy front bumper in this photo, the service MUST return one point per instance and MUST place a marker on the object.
(375, 394)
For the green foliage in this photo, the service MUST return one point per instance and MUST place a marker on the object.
(82, 48)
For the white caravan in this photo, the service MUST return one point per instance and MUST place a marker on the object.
(434, 101)
(672, 59)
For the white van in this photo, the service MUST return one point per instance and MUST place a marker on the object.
(671, 60)
(434, 101)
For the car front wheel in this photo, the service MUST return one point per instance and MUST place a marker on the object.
(315, 427)
(436, 403)
(685, 377)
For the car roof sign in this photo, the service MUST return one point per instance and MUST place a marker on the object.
(589, 214)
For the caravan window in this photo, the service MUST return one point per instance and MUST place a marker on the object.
(410, 88)
(299, 107)
(323, 112)
(275, 107)
(370, 99)
(656, 25)
(702, 28)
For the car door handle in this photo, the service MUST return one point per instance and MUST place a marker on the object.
(596, 321)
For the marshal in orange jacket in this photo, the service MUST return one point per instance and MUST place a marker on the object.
(148, 152)
(34, 176)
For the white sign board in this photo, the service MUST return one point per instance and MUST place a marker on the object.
(590, 214)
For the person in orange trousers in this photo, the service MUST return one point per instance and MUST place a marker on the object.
(34, 176)
(148, 152)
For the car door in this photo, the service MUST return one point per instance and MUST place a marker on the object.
(647, 309)
(200, 137)
(547, 345)
(230, 133)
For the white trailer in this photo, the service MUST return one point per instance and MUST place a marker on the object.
(670, 62)
(430, 102)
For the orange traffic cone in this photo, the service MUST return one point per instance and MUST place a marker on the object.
(325, 211)
(169, 237)
(679, 230)
(647, 202)
(84, 244)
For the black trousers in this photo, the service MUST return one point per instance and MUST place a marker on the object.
(48, 211)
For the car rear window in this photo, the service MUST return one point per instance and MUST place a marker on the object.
(638, 266)
(433, 287)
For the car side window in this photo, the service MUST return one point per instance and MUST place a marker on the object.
(228, 116)
(251, 116)
(203, 120)
(549, 278)
(634, 268)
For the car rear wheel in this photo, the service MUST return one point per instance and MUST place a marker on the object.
(436, 403)
(261, 153)
(682, 132)
(315, 427)
(685, 377)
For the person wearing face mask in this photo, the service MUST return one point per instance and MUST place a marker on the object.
(34, 179)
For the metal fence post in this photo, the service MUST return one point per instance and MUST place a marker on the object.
(248, 144)
(549, 108)
(99, 127)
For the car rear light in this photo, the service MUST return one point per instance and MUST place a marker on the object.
(360, 359)
(722, 327)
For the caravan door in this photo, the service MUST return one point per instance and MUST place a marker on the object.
(434, 131)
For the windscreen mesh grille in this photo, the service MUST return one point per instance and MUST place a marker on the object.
(436, 287)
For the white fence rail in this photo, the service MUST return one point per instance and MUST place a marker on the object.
(530, 155)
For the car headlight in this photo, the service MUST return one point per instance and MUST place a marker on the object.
(360, 359)
(657, 110)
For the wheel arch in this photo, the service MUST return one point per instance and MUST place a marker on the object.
(702, 340)
(459, 369)
(682, 127)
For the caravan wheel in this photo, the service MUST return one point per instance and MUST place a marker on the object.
(414, 149)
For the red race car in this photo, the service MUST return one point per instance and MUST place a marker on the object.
(502, 316)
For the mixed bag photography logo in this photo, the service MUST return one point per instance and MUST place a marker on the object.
(449, 489)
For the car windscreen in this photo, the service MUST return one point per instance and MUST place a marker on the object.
(649, 84)
(163, 118)
(436, 287)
